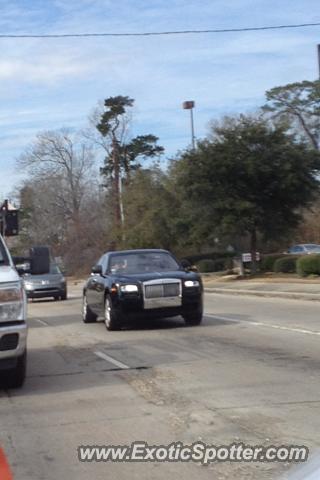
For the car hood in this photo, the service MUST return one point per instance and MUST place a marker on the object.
(8, 274)
(144, 277)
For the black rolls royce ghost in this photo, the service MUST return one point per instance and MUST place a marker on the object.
(137, 283)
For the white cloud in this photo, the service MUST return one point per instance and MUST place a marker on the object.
(46, 70)
(54, 83)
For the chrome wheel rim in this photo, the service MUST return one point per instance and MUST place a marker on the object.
(107, 313)
(84, 307)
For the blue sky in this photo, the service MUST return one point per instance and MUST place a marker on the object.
(49, 84)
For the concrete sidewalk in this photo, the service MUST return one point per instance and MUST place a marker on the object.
(299, 290)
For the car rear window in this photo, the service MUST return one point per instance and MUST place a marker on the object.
(54, 269)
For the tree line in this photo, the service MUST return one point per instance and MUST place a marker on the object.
(252, 183)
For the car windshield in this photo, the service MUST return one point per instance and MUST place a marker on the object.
(54, 269)
(133, 263)
(4, 260)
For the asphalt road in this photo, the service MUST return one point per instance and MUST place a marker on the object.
(249, 373)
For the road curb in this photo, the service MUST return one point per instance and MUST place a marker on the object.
(314, 297)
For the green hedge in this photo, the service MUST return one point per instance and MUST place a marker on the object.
(308, 265)
(194, 259)
(208, 265)
(267, 261)
(285, 264)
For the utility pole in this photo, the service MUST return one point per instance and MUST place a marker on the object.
(318, 48)
(189, 105)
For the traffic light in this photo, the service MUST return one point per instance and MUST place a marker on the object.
(12, 223)
(9, 221)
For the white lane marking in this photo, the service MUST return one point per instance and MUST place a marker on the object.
(262, 324)
(42, 322)
(115, 362)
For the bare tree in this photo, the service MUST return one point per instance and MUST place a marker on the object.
(61, 199)
(67, 159)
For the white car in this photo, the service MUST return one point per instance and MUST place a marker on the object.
(304, 249)
(13, 312)
(13, 327)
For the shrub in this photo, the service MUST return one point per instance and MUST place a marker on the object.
(218, 265)
(308, 265)
(267, 261)
(209, 256)
(285, 264)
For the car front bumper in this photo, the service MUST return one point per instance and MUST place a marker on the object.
(13, 342)
(48, 291)
(133, 306)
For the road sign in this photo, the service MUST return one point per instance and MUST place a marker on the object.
(246, 257)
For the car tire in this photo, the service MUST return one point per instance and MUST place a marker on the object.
(193, 319)
(64, 296)
(111, 317)
(56, 298)
(87, 314)
(15, 377)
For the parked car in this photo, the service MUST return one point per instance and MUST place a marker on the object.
(52, 284)
(304, 249)
(141, 283)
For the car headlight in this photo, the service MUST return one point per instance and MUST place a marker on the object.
(11, 301)
(129, 288)
(191, 283)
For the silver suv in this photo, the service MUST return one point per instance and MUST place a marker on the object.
(13, 327)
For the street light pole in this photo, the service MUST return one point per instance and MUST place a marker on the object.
(192, 129)
(189, 105)
(319, 59)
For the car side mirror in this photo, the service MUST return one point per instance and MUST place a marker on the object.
(185, 264)
(96, 270)
(23, 269)
(37, 263)
(40, 260)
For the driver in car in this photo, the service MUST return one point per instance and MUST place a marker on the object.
(119, 266)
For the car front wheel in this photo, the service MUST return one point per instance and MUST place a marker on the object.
(193, 319)
(15, 377)
(64, 295)
(111, 317)
(87, 314)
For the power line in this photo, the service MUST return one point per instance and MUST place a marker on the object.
(149, 34)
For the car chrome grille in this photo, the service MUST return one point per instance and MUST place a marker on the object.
(166, 290)
(162, 293)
